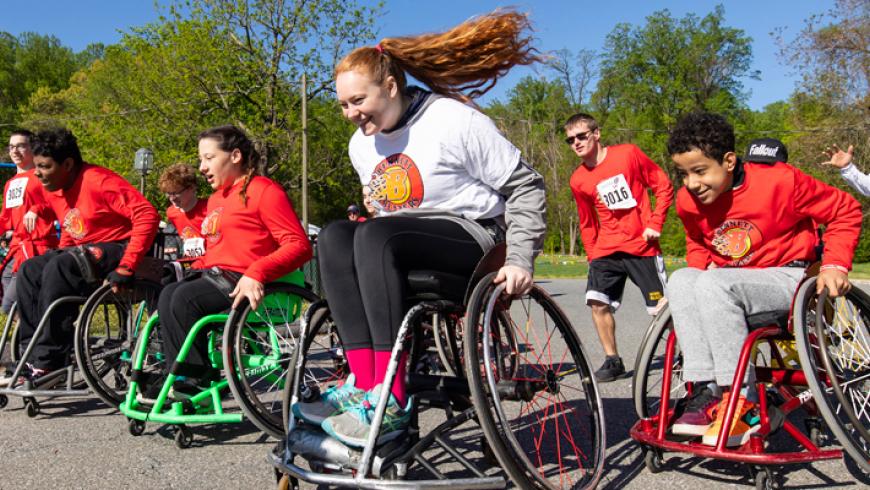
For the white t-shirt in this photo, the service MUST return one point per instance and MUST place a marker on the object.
(449, 156)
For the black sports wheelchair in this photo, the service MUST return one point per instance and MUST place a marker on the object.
(509, 374)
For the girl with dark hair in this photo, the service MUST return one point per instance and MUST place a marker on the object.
(447, 186)
(252, 237)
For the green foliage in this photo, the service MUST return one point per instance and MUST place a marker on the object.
(217, 62)
(31, 63)
(652, 74)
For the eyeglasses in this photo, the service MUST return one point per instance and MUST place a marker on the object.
(19, 147)
(580, 137)
(171, 195)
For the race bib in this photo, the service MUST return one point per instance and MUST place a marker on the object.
(193, 247)
(615, 193)
(15, 193)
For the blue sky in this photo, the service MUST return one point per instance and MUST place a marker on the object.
(578, 24)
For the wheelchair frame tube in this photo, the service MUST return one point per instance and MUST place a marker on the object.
(26, 354)
(386, 388)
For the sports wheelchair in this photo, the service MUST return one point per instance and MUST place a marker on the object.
(815, 357)
(252, 347)
(509, 367)
(104, 331)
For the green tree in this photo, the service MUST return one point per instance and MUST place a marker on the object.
(532, 119)
(652, 74)
(220, 62)
(33, 62)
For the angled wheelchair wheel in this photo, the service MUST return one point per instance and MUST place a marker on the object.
(257, 346)
(105, 336)
(649, 366)
(319, 364)
(834, 348)
(533, 389)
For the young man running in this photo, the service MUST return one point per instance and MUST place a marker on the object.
(618, 226)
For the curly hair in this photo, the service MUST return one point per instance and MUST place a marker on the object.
(463, 63)
(231, 138)
(176, 178)
(58, 144)
(710, 133)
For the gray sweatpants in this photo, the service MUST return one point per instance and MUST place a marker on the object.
(8, 281)
(709, 308)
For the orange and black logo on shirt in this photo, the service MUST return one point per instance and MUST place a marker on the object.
(211, 225)
(735, 239)
(74, 224)
(396, 183)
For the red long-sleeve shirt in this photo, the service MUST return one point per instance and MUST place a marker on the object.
(262, 239)
(767, 221)
(613, 205)
(101, 206)
(24, 193)
(189, 226)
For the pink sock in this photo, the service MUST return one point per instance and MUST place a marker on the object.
(382, 360)
(362, 365)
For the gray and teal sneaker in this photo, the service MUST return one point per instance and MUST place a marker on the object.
(332, 402)
(351, 427)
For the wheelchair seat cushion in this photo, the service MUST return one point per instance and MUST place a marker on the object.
(768, 318)
(437, 285)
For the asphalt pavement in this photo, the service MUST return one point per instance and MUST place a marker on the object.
(78, 443)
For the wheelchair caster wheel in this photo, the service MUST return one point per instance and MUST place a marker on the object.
(183, 437)
(32, 407)
(766, 479)
(653, 460)
(815, 431)
(136, 427)
(4, 400)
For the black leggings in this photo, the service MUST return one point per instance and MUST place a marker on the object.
(364, 268)
(182, 304)
(45, 278)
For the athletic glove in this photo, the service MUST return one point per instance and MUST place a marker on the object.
(122, 276)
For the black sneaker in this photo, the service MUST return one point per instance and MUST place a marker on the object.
(611, 370)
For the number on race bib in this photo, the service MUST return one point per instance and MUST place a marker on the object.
(15, 193)
(615, 193)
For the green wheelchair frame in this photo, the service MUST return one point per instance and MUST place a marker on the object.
(206, 406)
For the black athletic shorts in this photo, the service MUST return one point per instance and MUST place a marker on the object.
(607, 276)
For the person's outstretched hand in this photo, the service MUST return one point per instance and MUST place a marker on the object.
(837, 157)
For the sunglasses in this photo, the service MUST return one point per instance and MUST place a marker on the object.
(579, 137)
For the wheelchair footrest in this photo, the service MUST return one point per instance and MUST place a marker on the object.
(315, 445)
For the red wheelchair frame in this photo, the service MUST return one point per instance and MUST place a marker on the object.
(652, 431)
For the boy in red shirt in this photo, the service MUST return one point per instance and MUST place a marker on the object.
(618, 227)
(749, 237)
(106, 227)
(23, 204)
(187, 211)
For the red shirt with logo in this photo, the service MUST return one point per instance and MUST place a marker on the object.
(24, 193)
(101, 206)
(767, 221)
(613, 204)
(262, 238)
(189, 226)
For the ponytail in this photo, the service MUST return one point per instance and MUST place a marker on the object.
(463, 63)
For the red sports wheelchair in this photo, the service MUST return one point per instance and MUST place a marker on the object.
(815, 357)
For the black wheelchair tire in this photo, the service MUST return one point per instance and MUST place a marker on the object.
(85, 359)
(266, 419)
(815, 359)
